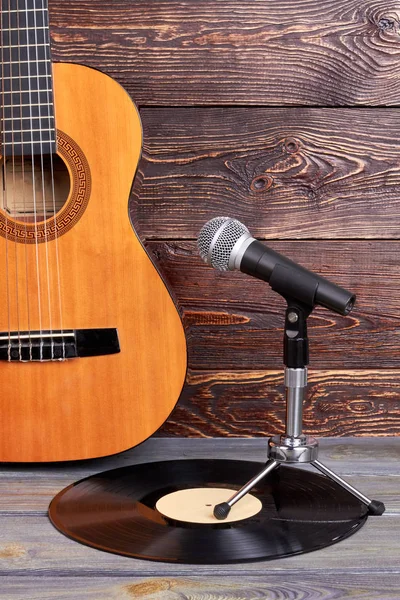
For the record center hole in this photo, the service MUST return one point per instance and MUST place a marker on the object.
(28, 193)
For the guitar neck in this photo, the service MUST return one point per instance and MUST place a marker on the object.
(27, 110)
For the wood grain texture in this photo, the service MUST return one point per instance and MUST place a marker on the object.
(384, 586)
(286, 173)
(335, 174)
(289, 174)
(334, 52)
(101, 275)
(251, 403)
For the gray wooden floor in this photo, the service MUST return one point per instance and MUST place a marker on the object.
(37, 562)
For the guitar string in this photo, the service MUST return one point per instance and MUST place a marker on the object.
(34, 193)
(4, 186)
(45, 224)
(50, 102)
(21, 115)
(13, 192)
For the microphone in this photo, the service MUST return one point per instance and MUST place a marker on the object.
(226, 244)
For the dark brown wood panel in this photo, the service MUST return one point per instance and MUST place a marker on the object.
(234, 321)
(333, 52)
(287, 173)
(251, 403)
(327, 176)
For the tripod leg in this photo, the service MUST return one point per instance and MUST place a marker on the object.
(221, 511)
(374, 506)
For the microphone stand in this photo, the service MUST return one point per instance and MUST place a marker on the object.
(295, 447)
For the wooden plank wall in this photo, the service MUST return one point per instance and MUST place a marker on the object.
(281, 113)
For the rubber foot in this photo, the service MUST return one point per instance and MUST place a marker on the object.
(221, 511)
(376, 508)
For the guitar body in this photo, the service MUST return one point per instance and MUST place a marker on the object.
(90, 272)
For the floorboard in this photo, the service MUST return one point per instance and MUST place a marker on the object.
(268, 586)
(37, 562)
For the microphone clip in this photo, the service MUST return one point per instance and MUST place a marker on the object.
(295, 341)
(299, 290)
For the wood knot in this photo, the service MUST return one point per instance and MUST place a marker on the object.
(311, 194)
(386, 24)
(361, 406)
(261, 183)
(292, 145)
(12, 551)
(139, 590)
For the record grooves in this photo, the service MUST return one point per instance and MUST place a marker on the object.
(115, 511)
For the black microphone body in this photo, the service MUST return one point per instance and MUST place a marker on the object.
(226, 244)
(294, 281)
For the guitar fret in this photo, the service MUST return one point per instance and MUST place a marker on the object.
(18, 78)
(27, 105)
(26, 91)
(26, 10)
(29, 118)
(40, 141)
(29, 141)
(17, 146)
(28, 61)
(19, 46)
(29, 52)
(18, 119)
(27, 137)
(24, 62)
(28, 130)
(26, 109)
(24, 29)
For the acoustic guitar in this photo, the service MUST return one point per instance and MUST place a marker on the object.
(92, 349)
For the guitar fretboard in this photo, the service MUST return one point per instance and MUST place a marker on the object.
(27, 111)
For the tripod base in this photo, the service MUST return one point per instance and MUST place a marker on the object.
(292, 450)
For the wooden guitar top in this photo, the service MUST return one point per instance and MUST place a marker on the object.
(86, 269)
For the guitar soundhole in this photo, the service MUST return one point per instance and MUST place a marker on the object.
(34, 188)
(72, 188)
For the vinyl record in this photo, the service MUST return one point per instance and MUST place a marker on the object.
(115, 511)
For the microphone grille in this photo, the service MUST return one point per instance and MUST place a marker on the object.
(217, 239)
(206, 235)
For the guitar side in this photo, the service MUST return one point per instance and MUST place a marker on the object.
(96, 405)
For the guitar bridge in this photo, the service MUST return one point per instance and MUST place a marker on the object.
(57, 345)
